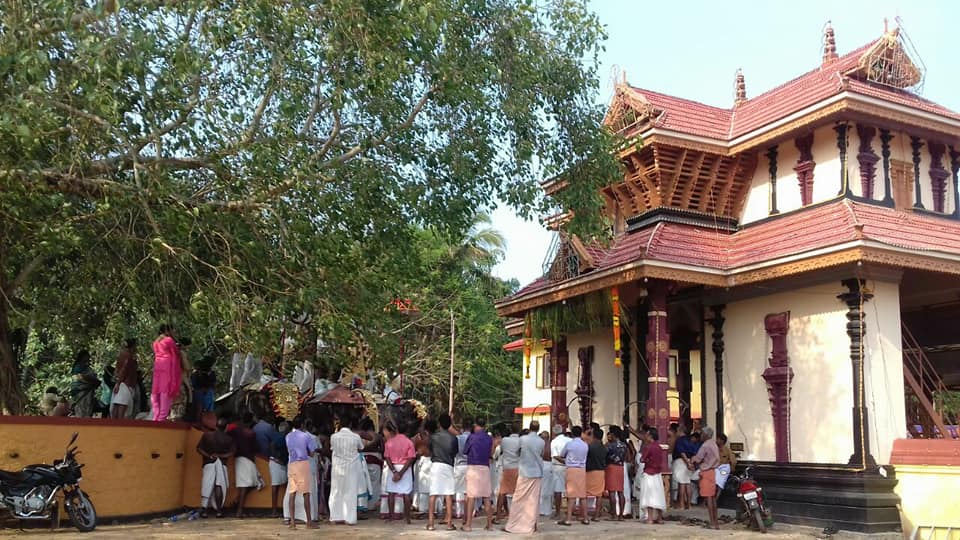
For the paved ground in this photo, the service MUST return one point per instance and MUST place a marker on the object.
(375, 528)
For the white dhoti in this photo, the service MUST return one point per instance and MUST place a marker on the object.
(364, 487)
(404, 486)
(343, 491)
(651, 492)
(421, 500)
(627, 493)
(459, 488)
(374, 473)
(299, 512)
(214, 474)
(560, 479)
(441, 480)
(245, 472)
(384, 499)
(278, 473)
(546, 490)
(123, 395)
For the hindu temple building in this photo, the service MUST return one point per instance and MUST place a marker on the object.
(785, 269)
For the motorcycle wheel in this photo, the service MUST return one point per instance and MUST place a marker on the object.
(81, 511)
(758, 519)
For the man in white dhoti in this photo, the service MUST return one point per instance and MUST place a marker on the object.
(443, 449)
(546, 483)
(460, 473)
(652, 496)
(560, 439)
(246, 476)
(346, 446)
(526, 497)
(400, 456)
(215, 447)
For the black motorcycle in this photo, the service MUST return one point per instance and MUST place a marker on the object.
(32, 492)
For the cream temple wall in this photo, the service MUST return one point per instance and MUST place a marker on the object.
(827, 179)
(821, 394)
(607, 378)
(533, 396)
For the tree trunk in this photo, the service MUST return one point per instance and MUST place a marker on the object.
(12, 399)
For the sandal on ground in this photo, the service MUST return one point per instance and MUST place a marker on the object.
(585, 521)
(451, 527)
(465, 529)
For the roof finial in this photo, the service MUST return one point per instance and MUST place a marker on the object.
(829, 44)
(741, 88)
(886, 29)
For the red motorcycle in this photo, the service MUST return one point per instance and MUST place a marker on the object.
(750, 496)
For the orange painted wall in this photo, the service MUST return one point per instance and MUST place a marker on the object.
(131, 467)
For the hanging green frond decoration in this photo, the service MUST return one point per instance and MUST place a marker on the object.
(584, 313)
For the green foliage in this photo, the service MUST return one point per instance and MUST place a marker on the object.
(225, 166)
(582, 313)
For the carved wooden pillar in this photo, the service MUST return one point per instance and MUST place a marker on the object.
(717, 323)
(885, 138)
(916, 144)
(804, 168)
(772, 162)
(855, 298)
(841, 130)
(658, 357)
(867, 159)
(560, 359)
(585, 385)
(938, 175)
(625, 361)
(778, 376)
(955, 169)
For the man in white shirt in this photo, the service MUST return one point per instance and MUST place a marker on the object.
(346, 446)
(559, 469)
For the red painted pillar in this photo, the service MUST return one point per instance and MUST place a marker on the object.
(558, 397)
(658, 358)
(778, 377)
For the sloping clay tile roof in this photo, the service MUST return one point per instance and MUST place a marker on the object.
(795, 233)
(827, 80)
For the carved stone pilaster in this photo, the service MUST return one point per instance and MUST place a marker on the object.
(885, 138)
(772, 162)
(805, 166)
(778, 376)
(938, 175)
(955, 169)
(585, 385)
(717, 323)
(867, 159)
(841, 130)
(916, 144)
(854, 299)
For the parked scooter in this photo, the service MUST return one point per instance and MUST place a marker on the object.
(751, 500)
(32, 492)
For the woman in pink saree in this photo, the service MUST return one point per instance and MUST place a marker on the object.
(166, 373)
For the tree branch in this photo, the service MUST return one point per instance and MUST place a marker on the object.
(22, 276)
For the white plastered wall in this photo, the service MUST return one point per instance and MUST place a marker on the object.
(826, 176)
(533, 396)
(821, 398)
(607, 378)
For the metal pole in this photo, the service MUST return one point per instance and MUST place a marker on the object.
(401, 364)
(453, 334)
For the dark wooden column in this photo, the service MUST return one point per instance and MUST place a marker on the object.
(717, 323)
(778, 376)
(658, 357)
(867, 159)
(772, 163)
(585, 384)
(938, 175)
(558, 398)
(841, 130)
(885, 138)
(855, 298)
(916, 144)
(955, 169)
(625, 349)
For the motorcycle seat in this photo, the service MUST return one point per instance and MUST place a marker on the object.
(13, 477)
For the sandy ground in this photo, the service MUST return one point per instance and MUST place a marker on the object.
(375, 528)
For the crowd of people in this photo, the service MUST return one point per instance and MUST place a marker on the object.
(450, 475)
(178, 390)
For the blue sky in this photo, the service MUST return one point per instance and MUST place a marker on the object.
(693, 49)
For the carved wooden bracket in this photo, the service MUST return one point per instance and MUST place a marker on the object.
(778, 376)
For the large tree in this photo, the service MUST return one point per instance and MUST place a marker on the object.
(229, 161)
